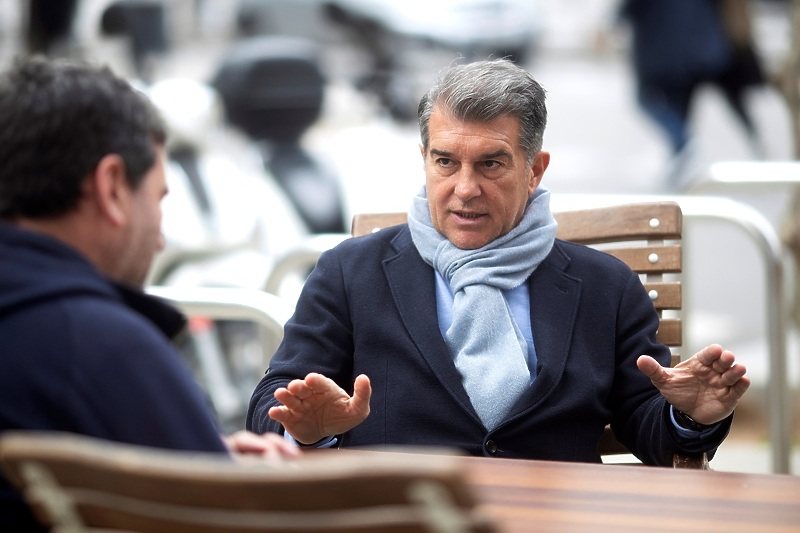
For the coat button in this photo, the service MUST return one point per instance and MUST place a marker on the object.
(491, 446)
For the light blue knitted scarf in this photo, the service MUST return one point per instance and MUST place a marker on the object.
(486, 344)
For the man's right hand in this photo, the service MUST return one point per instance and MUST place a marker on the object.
(316, 407)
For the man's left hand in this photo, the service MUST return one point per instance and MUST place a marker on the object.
(706, 386)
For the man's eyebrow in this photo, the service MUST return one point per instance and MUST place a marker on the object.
(492, 155)
(496, 155)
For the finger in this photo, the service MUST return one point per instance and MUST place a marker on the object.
(362, 392)
(740, 387)
(269, 445)
(725, 361)
(319, 384)
(269, 455)
(278, 445)
(362, 386)
(299, 388)
(244, 442)
(651, 368)
(280, 414)
(709, 354)
(288, 399)
(733, 375)
(247, 442)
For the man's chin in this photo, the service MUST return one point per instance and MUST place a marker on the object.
(469, 241)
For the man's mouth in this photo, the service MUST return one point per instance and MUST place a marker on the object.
(466, 214)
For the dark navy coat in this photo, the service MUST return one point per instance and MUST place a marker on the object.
(369, 307)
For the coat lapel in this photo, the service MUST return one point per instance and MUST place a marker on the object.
(413, 288)
(554, 297)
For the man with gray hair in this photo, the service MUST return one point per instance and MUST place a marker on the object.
(473, 327)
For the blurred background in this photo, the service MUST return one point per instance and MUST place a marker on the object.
(289, 116)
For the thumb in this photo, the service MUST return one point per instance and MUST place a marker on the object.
(362, 389)
(650, 368)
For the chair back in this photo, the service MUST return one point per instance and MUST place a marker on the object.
(647, 237)
(77, 483)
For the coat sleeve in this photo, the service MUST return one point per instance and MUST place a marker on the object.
(640, 417)
(317, 338)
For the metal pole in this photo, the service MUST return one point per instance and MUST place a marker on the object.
(763, 235)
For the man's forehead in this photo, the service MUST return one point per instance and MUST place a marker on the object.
(444, 129)
(441, 114)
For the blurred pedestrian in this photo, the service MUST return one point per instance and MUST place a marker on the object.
(679, 45)
(744, 71)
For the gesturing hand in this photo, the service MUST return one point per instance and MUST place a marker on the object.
(706, 386)
(316, 407)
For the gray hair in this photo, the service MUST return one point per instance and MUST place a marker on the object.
(486, 90)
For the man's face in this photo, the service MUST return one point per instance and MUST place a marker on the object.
(143, 236)
(477, 179)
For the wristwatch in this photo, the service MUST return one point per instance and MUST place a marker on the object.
(687, 422)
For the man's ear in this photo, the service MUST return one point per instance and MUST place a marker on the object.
(110, 190)
(540, 163)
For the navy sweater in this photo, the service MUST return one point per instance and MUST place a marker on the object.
(82, 355)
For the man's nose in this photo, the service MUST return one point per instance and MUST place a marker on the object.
(467, 183)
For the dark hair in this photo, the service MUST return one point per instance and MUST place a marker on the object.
(58, 119)
(485, 90)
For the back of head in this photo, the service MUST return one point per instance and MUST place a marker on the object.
(485, 90)
(59, 119)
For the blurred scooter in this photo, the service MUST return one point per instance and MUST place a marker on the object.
(272, 90)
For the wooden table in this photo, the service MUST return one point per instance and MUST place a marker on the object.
(525, 496)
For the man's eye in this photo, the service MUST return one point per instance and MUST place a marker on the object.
(444, 162)
(491, 165)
